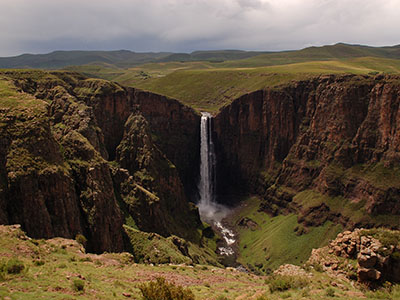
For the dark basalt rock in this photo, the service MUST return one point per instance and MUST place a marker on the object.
(55, 179)
(336, 135)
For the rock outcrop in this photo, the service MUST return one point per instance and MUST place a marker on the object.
(57, 140)
(371, 256)
(327, 140)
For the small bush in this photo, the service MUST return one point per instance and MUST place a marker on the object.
(86, 259)
(286, 295)
(279, 283)
(81, 239)
(396, 256)
(35, 242)
(160, 289)
(78, 285)
(386, 237)
(98, 263)
(220, 297)
(318, 268)
(62, 266)
(305, 293)
(39, 262)
(330, 292)
(379, 294)
(14, 266)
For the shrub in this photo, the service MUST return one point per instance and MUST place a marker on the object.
(386, 237)
(330, 292)
(39, 262)
(160, 289)
(318, 268)
(282, 283)
(81, 239)
(78, 285)
(396, 256)
(286, 295)
(62, 266)
(86, 259)
(14, 266)
(379, 294)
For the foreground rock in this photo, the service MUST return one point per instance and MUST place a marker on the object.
(292, 270)
(370, 256)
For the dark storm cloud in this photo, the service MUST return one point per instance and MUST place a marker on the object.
(40, 26)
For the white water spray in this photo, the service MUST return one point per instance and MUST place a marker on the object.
(207, 169)
(209, 209)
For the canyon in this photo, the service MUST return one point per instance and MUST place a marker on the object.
(89, 156)
(327, 148)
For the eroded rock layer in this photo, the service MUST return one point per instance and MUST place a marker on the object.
(78, 156)
(327, 147)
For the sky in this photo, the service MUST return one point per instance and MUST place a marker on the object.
(42, 26)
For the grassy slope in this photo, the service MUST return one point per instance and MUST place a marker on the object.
(377, 175)
(209, 86)
(275, 242)
(52, 266)
(11, 98)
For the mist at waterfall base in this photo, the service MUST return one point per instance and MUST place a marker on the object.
(211, 211)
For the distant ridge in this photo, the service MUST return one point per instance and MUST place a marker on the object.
(126, 58)
(60, 59)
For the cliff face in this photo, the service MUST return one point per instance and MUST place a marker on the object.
(172, 125)
(330, 141)
(58, 131)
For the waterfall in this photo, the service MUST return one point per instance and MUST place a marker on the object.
(210, 210)
(207, 168)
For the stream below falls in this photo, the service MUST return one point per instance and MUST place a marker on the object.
(211, 211)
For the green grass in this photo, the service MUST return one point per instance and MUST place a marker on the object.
(11, 98)
(208, 86)
(66, 273)
(275, 241)
(352, 210)
(377, 174)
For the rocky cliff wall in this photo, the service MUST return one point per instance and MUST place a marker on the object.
(331, 139)
(56, 178)
(176, 131)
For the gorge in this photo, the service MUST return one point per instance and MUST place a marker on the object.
(325, 149)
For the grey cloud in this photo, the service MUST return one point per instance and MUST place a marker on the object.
(184, 25)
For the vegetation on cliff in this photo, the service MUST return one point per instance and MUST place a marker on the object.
(321, 153)
(58, 131)
(327, 149)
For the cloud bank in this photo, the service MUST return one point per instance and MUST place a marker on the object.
(42, 26)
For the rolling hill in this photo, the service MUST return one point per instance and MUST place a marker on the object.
(225, 58)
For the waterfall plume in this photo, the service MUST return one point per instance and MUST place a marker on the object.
(210, 210)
